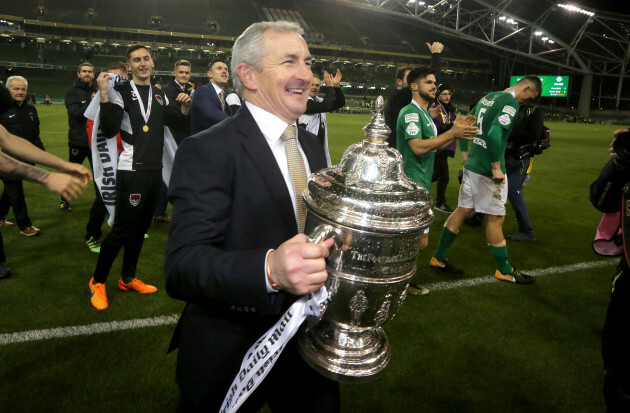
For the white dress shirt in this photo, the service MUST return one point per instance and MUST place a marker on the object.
(272, 128)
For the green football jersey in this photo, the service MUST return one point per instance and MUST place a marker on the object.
(415, 123)
(495, 118)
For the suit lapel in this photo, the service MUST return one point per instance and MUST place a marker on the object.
(256, 147)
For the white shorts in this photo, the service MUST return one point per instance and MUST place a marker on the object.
(482, 194)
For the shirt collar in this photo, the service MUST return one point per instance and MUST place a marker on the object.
(216, 88)
(270, 125)
(417, 104)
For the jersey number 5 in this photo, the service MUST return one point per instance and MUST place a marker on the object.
(480, 120)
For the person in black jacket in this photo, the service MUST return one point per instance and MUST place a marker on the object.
(606, 193)
(401, 97)
(444, 114)
(10, 168)
(314, 119)
(179, 84)
(527, 129)
(19, 119)
(77, 99)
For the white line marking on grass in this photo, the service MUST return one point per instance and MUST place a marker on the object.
(86, 330)
(97, 328)
(472, 282)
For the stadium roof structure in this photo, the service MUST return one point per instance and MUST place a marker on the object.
(562, 34)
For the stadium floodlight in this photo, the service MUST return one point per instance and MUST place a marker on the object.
(544, 38)
(538, 33)
(502, 18)
(571, 7)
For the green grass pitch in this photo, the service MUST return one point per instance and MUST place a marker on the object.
(493, 347)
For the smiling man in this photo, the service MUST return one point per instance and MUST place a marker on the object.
(209, 107)
(20, 119)
(314, 120)
(236, 253)
(139, 112)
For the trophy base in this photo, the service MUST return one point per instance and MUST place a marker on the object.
(343, 353)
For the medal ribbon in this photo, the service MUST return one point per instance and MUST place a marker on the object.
(147, 113)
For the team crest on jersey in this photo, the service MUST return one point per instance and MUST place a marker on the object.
(32, 116)
(159, 99)
(133, 95)
(134, 199)
(509, 110)
(480, 142)
(411, 117)
(412, 129)
(505, 120)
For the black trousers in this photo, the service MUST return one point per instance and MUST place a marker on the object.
(616, 344)
(13, 197)
(136, 195)
(77, 154)
(162, 202)
(291, 374)
(440, 174)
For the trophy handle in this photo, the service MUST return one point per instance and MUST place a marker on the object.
(320, 233)
(324, 231)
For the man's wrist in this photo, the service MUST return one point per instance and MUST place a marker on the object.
(270, 280)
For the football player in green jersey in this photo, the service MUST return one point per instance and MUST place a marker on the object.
(417, 137)
(484, 187)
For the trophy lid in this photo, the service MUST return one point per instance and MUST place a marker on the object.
(368, 189)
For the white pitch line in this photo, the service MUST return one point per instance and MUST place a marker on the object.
(472, 282)
(97, 328)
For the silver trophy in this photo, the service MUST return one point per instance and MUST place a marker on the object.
(376, 215)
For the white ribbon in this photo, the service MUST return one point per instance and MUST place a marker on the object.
(147, 113)
(261, 357)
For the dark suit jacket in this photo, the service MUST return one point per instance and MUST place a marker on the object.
(230, 206)
(206, 109)
(172, 89)
(333, 100)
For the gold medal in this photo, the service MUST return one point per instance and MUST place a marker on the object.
(145, 128)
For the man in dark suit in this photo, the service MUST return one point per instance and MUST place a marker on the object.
(209, 107)
(234, 253)
(179, 84)
(314, 120)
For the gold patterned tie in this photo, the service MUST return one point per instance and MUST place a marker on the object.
(222, 96)
(297, 171)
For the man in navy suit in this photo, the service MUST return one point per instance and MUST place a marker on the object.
(209, 107)
(234, 253)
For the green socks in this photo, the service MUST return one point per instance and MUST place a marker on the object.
(500, 256)
(446, 239)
